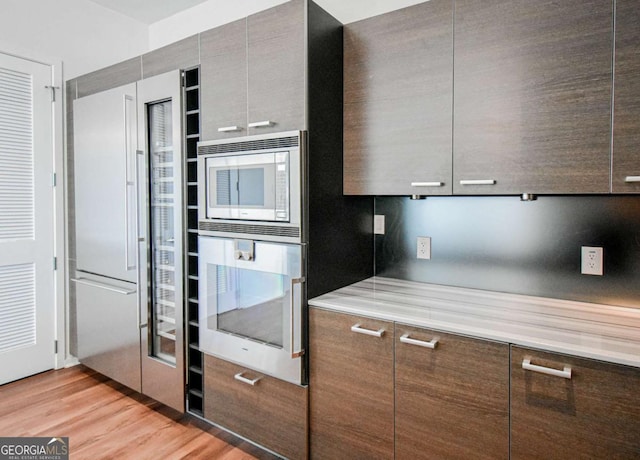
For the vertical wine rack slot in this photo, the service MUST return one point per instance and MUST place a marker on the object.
(195, 398)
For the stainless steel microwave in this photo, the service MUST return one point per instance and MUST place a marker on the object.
(252, 186)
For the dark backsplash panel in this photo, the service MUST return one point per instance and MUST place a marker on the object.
(503, 244)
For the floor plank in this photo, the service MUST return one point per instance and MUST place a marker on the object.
(106, 420)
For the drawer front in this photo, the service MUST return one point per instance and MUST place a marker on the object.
(567, 407)
(452, 396)
(351, 386)
(108, 331)
(270, 412)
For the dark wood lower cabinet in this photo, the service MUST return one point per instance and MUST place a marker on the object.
(351, 387)
(451, 401)
(593, 414)
(272, 412)
(396, 391)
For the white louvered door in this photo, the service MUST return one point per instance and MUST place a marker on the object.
(27, 303)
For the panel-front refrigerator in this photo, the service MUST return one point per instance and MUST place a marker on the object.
(128, 195)
(108, 322)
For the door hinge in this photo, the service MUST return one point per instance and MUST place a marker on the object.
(183, 79)
(53, 91)
(54, 180)
(55, 263)
(55, 347)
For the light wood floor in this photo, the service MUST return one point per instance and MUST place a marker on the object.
(105, 420)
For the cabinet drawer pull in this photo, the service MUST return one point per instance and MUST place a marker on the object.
(632, 179)
(478, 182)
(229, 129)
(360, 330)
(261, 124)
(421, 343)
(427, 184)
(565, 374)
(242, 379)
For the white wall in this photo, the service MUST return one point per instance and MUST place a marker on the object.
(217, 12)
(347, 11)
(203, 17)
(87, 36)
(84, 35)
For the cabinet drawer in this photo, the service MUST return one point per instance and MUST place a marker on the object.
(270, 412)
(351, 386)
(108, 328)
(588, 409)
(452, 400)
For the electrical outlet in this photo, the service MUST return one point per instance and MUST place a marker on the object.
(592, 260)
(424, 247)
(378, 224)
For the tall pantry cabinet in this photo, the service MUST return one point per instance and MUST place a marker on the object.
(274, 71)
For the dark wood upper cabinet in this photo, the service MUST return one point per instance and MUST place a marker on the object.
(593, 414)
(398, 80)
(350, 387)
(626, 116)
(223, 88)
(276, 68)
(254, 77)
(532, 90)
(451, 401)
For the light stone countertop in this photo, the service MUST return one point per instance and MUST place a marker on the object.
(603, 332)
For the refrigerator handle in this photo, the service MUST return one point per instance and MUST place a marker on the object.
(130, 183)
(140, 231)
(106, 287)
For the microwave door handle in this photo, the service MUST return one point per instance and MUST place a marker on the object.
(294, 353)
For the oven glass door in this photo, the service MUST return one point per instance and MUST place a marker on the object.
(250, 298)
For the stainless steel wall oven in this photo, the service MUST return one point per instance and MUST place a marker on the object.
(252, 252)
(251, 304)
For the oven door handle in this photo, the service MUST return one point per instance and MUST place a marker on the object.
(294, 353)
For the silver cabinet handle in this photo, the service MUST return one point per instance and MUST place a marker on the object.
(242, 379)
(427, 184)
(106, 287)
(261, 124)
(229, 129)
(360, 330)
(565, 374)
(632, 179)
(478, 182)
(420, 343)
(294, 354)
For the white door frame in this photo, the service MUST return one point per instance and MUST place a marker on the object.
(60, 212)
